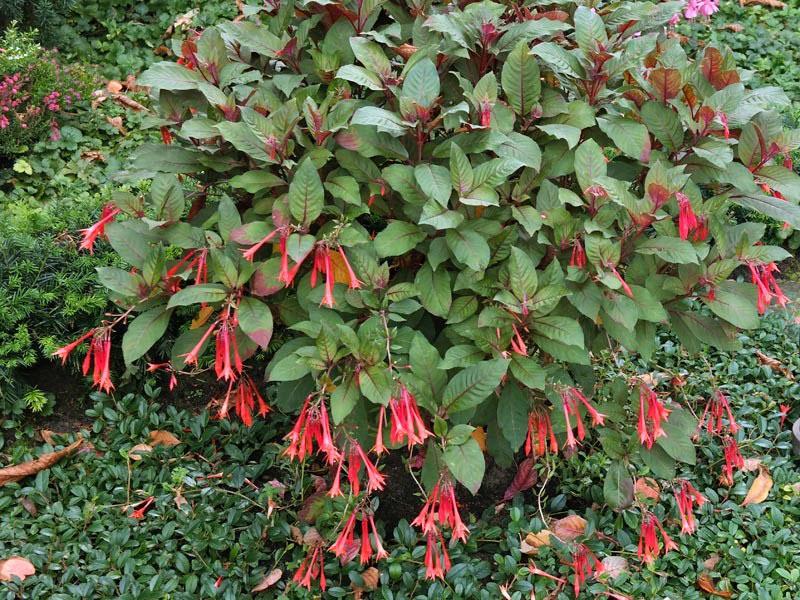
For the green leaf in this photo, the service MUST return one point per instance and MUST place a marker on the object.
(528, 371)
(670, 249)
(144, 331)
(421, 83)
(735, 303)
(255, 181)
(461, 175)
(678, 443)
(562, 329)
(398, 238)
(255, 319)
(590, 31)
(434, 290)
(618, 486)
(382, 119)
(664, 123)
(466, 464)
(376, 384)
(628, 135)
(166, 198)
(590, 164)
(434, 181)
(780, 210)
(570, 134)
(469, 247)
(166, 159)
(472, 385)
(343, 399)
(120, 281)
(171, 76)
(197, 294)
(520, 80)
(512, 415)
(360, 76)
(306, 196)
(522, 274)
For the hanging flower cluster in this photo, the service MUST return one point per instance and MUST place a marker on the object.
(440, 510)
(686, 496)
(652, 413)
(312, 428)
(356, 458)
(345, 542)
(572, 399)
(541, 437)
(733, 459)
(585, 565)
(649, 548)
(406, 424)
(716, 409)
(90, 235)
(766, 285)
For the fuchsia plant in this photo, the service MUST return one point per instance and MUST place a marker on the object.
(448, 211)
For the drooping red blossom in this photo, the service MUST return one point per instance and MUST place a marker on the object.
(766, 285)
(578, 258)
(723, 118)
(97, 230)
(311, 569)
(356, 457)
(227, 361)
(652, 413)
(441, 509)
(99, 355)
(541, 437)
(649, 548)
(405, 420)
(785, 409)
(687, 220)
(142, 508)
(733, 459)
(700, 233)
(345, 541)
(572, 398)
(485, 113)
(517, 343)
(346, 538)
(322, 264)
(64, 352)
(718, 407)
(437, 560)
(250, 252)
(166, 366)
(195, 260)
(166, 135)
(354, 282)
(244, 396)
(585, 564)
(686, 496)
(312, 427)
(625, 287)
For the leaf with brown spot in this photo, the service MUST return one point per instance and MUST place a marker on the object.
(16, 566)
(760, 488)
(28, 505)
(647, 488)
(45, 461)
(163, 438)
(138, 450)
(269, 580)
(614, 566)
(705, 583)
(202, 316)
(569, 528)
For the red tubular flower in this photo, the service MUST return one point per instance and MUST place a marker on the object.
(250, 252)
(687, 220)
(785, 409)
(625, 287)
(766, 285)
(733, 460)
(191, 357)
(64, 352)
(227, 362)
(517, 343)
(700, 233)
(346, 538)
(375, 479)
(381, 552)
(166, 135)
(244, 396)
(312, 567)
(717, 407)
(99, 354)
(97, 230)
(724, 120)
(366, 546)
(143, 507)
(406, 421)
(585, 565)
(686, 497)
(379, 447)
(312, 426)
(651, 414)
(572, 398)
(649, 549)
(437, 561)
(441, 508)
(578, 258)
(540, 428)
(354, 283)
(485, 113)
(322, 264)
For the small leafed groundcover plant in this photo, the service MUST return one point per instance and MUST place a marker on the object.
(446, 210)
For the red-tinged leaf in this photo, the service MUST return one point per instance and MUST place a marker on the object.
(569, 528)
(711, 64)
(666, 83)
(524, 479)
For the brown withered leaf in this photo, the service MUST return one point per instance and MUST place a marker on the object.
(93, 155)
(371, 579)
(531, 543)
(569, 528)
(405, 50)
(202, 316)
(163, 438)
(479, 435)
(114, 87)
(269, 580)
(705, 583)
(647, 488)
(45, 461)
(774, 364)
(116, 123)
(297, 535)
(751, 464)
(181, 23)
(769, 3)
(712, 561)
(735, 27)
(180, 501)
(138, 450)
(28, 505)
(127, 102)
(312, 537)
(16, 566)
(614, 566)
(760, 488)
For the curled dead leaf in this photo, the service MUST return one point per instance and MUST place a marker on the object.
(163, 438)
(116, 123)
(774, 363)
(129, 103)
(180, 501)
(705, 583)
(647, 488)
(114, 87)
(614, 566)
(760, 488)
(297, 535)
(93, 155)
(405, 50)
(45, 461)
(531, 543)
(16, 566)
(371, 579)
(768, 3)
(138, 450)
(569, 528)
(269, 580)
(735, 27)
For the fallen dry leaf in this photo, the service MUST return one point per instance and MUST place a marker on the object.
(646, 487)
(114, 87)
(49, 436)
(16, 566)
(163, 438)
(569, 528)
(116, 123)
(615, 566)
(705, 583)
(735, 27)
(711, 562)
(479, 435)
(371, 579)
(269, 580)
(181, 23)
(45, 461)
(759, 491)
(774, 364)
(136, 452)
(751, 464)
(180, 501)
(531, 543)
(93, 155)
(769, 3)
(297, 535)
(129, 103)
(312, 537)
(28, 505)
